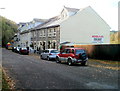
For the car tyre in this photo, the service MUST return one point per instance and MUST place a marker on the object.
(84, 63)
(41, 57)
(70, 62)
(57, 60)
(48, 58)
(19, 52)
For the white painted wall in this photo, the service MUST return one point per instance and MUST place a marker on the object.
(25, 38)
(82, 26)
(64, 14)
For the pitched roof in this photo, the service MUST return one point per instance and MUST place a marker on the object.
(45, 24)
(39, 20)
(54, 21)
(71, 9)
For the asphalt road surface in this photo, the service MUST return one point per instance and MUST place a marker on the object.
(33, 73)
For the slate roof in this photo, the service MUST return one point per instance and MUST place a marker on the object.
(39, 20)
(54, 21)
(45, 24)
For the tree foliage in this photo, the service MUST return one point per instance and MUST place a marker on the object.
(115, 38)
(7, 30)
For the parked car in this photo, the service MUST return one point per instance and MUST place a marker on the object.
(31, 50)
(49, 54)
(73, 56)
(13, 49)
(17, 49)
(24, 51)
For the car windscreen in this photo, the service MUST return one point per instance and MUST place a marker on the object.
(80, 51)
(54, 51)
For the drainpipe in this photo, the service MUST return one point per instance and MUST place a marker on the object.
(46, 32)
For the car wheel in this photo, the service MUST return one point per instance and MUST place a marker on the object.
(57, 60)
(48, 58)
(69, 62)
(84, 63)
(41, 57)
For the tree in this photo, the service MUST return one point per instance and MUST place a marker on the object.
(7, 30)
(115, 37)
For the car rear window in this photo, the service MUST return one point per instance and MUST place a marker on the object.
(46, 51)
(80, 51)
(54, 51)
(24, 48)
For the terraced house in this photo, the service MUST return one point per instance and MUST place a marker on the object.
(83, 26)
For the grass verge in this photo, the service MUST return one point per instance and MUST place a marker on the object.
(5, 85)
(106, 61)
(7, 82)
(114, 65)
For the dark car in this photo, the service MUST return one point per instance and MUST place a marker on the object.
(73, 56)
(13, 49)
(24, 51)
(17, 49)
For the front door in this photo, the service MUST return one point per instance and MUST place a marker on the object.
(64, 55)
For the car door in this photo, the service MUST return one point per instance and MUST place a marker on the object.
(47, 53)
(43, 54)
(64, 55)
(67, 54)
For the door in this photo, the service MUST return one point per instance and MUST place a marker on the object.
(46, 53)
(64, 55)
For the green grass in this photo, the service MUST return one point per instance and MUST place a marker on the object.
(3, 83)
(106, 61)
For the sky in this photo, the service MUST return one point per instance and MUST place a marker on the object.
(26, 10)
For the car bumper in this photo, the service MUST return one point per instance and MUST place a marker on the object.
(25, 52)
(79, 60)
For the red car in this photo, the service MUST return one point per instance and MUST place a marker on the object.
(24, 51)
(73, 56)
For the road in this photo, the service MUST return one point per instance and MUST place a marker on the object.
(33, 73)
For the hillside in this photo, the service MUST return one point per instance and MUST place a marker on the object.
(7, 30)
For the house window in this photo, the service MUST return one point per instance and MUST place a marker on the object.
(50, 31)
(41, 33)
(34, 33)
(54, 34)
(44, 33)
(54, 29)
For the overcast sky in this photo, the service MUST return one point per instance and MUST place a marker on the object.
(26, 10)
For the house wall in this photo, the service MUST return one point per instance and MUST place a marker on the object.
(81, 27)
(25, 39)
(47, 38)
(64, 14)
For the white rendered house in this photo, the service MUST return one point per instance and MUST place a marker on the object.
(85, 27)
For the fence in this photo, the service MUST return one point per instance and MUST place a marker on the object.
(104, 51)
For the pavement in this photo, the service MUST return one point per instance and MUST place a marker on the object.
(30, 72)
